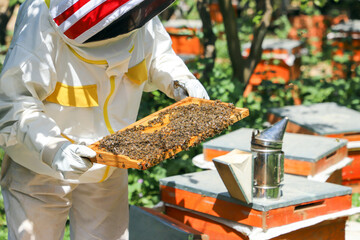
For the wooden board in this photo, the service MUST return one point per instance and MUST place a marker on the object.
(329, 229)
(213, 229)
(122, 161)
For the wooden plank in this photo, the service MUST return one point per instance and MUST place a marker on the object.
(211, 228)
(329, 229)
(308, 210)
(122, 161)
(330, 159)
(298, 167)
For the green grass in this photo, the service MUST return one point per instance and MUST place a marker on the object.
(355, 203)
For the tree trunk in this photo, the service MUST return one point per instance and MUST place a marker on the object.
(209, 38)
(259, 35)
(232, 39)
(243, 68)
(4, 20)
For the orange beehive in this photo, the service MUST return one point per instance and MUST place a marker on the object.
(345, 38)
(184, 36)
(329, 120)
(202, 201)
(304, 155)
(280, 63)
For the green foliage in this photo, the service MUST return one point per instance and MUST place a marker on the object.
(2, 56)
(282, 26)
(3, 226)
(355, 203)
(67, 232)
(307, 7)
(320, 3)
(144, 185)
(356, 199)
(345, 92)
(257, 18)
(15, 2)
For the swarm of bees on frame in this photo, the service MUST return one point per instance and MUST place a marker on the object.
(188, 125)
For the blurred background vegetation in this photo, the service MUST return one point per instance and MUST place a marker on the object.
(223, 74)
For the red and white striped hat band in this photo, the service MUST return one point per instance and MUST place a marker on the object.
(94, 20)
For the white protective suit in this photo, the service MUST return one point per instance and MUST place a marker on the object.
(54, 90)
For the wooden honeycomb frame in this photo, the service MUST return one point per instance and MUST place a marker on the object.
(122, 161)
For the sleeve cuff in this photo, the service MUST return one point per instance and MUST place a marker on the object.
(51, 149)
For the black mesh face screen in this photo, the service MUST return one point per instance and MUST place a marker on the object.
(133, 19)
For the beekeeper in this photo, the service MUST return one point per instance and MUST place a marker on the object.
(74, 73)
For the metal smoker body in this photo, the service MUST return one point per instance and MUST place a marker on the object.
(268, 160)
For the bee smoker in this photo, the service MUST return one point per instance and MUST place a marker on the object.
(268, 157)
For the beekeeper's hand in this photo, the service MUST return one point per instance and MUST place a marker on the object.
(72, 160)
(189, 88)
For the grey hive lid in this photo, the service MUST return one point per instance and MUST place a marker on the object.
(349, 26)
(322, 118)
(271, 44)
(179, 23)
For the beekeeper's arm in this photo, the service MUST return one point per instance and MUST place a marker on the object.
(26, 133)
(166, 68)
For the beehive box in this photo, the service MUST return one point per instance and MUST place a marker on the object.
(204, 192)
(345, 41)
(330, 120)
(183, 34)
(305, 155)
(286, 52)
(280, 62)
(165, 133)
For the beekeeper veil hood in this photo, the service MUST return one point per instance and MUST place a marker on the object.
(86, 21)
